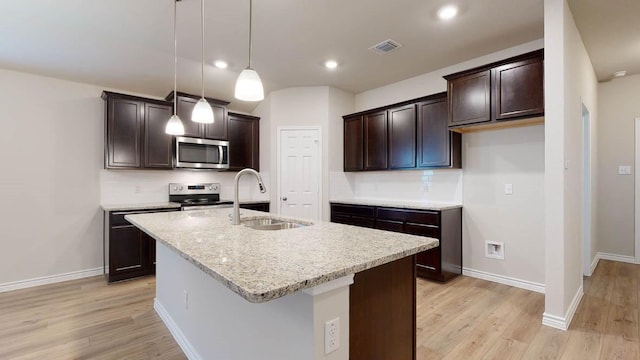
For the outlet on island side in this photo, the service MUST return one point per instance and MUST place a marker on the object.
(494, 250)
(331, 335)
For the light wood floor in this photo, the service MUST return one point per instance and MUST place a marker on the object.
(464, 319)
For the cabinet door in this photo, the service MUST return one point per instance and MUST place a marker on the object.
(257, 206)
(402, 137)
(128, 253)
(519, 89)
(217, 130)
(151, 252)
(244, 142)
(158, 145)
(434, 145)
(470, 99)
(375, 141)
(124, 126)
(353, 143)
(185, 108)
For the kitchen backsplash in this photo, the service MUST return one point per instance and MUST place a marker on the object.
(138, 186)
(406, 185)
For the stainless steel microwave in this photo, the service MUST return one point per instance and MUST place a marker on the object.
(196, 153)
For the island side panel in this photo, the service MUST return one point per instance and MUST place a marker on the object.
(382, 312)
(212, 322)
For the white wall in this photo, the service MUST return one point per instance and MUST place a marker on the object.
(490, 159)
(618, 106)
(51, 153)
(569, 82)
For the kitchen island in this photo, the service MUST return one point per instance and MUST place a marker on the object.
(233, 292)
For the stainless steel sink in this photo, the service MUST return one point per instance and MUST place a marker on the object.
(267, 223)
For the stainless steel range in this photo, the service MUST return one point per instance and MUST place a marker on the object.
(197, 196)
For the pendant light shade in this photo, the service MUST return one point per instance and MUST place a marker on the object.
(249, 86)
(174, 125)
(202, 112)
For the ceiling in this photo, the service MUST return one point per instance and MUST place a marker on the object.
(610, 31)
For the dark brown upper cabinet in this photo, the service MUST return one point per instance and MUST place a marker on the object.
(375, 140)
(408, 135)
(353, 144)
(216, 131)
(402, 137)
(487, 96)
(244, 142)
(437, 145)
(134, 132)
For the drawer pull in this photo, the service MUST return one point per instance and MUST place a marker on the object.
(129, 267)
(427, 267)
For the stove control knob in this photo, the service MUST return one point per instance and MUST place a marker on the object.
(175, 188)
(181, 188)
(210, 187)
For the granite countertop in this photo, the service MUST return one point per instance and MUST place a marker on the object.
(143, 206)
(421, 205)
(264, 265)
(250, 201)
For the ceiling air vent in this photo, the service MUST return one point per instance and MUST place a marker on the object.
(385, 47)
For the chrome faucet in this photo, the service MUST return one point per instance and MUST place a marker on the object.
(235, 219)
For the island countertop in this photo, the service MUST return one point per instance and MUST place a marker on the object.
(262, 265)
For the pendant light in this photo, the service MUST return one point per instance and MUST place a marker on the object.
(174, 125)
(202, 112)
(249, 85)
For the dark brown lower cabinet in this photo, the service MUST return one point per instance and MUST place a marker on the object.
(440, 263)
(382, 312)
(262, 206)
(128, 252)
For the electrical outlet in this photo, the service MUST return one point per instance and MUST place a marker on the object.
(186, 300)
(508, 189)
(624, 170)
(331, 335)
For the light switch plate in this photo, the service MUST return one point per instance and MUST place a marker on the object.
(624, 170)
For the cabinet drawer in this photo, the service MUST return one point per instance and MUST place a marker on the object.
(390, 225)
(422, 230)
(362, 221)
(364, 211)
(340, 219)
(116, 218)
(429, 260)
(414, 216)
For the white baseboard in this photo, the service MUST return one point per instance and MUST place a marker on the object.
(614, 257)
(523, 284)
(51, 279)
(594, 264)
(185, 345)
(563, 323)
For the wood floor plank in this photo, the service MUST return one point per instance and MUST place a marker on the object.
(549, 344)
(583, 344)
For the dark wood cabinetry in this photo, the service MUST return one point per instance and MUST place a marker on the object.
(375, 140)
(353, 144)
(134, 132)
(244, 142)
(408, 135)
(440, 263)
(216, 131)
(382, 312)
(261, 206)
(402, 137)
(437, 145)
(512, 89)
(128, 252)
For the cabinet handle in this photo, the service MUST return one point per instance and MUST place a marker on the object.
(129, 267)
(427, 267)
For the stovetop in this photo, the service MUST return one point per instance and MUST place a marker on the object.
(202, 194)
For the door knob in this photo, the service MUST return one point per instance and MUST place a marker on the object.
(284, 198)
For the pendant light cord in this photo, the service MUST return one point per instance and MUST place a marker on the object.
(250, 18)
(202, 62)
(175, 57)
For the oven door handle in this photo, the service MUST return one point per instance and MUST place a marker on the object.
(220, 153)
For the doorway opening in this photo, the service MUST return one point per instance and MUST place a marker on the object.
(586, 191)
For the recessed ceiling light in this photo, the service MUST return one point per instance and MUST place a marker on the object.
(220, 64)
(448, 12)
(331, 64)
(620, 73)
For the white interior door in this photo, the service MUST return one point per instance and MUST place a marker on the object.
(299, 175)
